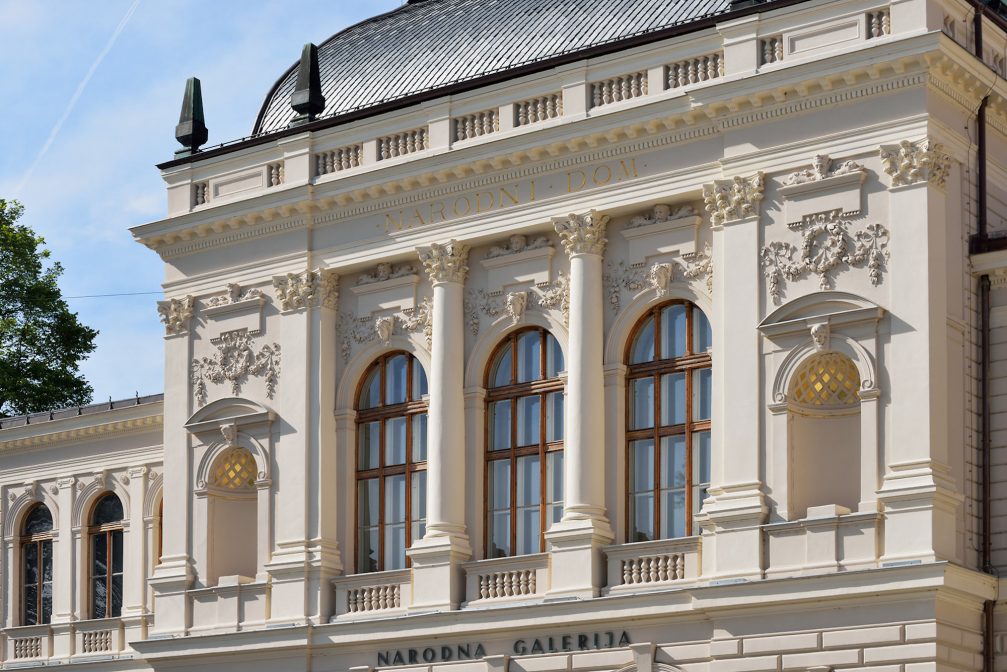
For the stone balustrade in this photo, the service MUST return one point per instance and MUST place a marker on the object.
(476, 125)
(541, 108)
(618, 89)
(648, 565)
(513, 579)
(375, 594)
(694, 70)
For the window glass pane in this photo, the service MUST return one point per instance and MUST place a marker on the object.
(370, 392)
(395, 379)
(46, 567)
(369, 440)
(395, 522)
(673, 331)
(672, 513)
(418, 498)
(643, 343)
(367, 549)
(700, 469)
(99, 595)
(554, 417)
(500, 425)
(116, 596)
(673, 461)
(500, 373)
(554, 486)
(46, 615)
(554, 357)
(528, 420)
(38, 520)
(117, 552)
(529, 356)
(99, 555)
(368, 510)
(498, 509)
(395, 441)
(30, 551)
(395, 546)
(107, 510)
(529, 495)
(641, 403)
(419, 437)
(672, 399)
(702, 394)
(702, 334)
(420, 387)
(641, 490)
(30, 604)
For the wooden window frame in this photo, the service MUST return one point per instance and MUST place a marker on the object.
(689, 363)
(542, 388)
(380, 414)
(109, 530)
(37, 539)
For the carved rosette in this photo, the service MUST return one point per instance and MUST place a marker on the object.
(582, 234)
(911, 162)
(234, 362)
(302, 290)
(734, 199)
(176, 314)
(827, 245)
(447, 262)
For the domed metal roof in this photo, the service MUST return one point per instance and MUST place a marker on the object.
(432, 44)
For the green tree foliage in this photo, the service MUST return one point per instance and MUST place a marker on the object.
(41, 342)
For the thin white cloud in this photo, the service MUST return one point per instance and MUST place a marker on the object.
(76, 96)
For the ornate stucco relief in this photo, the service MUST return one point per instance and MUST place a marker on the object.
(385, 271)
(479, 303)
(232, 295)
(911, 162)
(661, 213)
(822, 168)
(176, 314)
(733, 199)
(446, 262)
(516, 244)
(621, 277)
(301, 290)
(582, 234)
(234, 362)
(828, 244)
(353, 330)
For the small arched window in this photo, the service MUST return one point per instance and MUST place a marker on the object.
(669, 403)
(524, 446)
(106, 557)
(391, 461)
(36, 564)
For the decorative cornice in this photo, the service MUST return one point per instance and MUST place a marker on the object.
(735, 198)
(911, 162)
(249, 230)
(582, 234)
(176, 314)
(295, 291)
(446, 262)
(88, 432)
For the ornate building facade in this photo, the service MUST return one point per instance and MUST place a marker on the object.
(526, 336)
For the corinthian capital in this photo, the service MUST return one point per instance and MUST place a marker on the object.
(176, 313)
(911, 162)
(582, 234)
(447, 262)
(735, 198)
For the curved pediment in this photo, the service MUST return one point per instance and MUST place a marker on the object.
(833, 308)
(231, 410)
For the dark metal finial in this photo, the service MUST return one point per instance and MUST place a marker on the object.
(191, 130)
(307, 99)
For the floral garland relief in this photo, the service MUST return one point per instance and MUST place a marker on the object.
(234, 362)
(827, 245)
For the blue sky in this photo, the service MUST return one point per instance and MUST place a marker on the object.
(97, 176)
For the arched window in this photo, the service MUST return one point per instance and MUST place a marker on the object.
(524, 446)
(391, 461)
(669, 400)
(106, 557)
(36, 563)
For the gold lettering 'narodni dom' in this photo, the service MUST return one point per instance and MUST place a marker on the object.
(463, 205)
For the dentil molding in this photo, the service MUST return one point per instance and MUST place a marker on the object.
(910, 162)
(735, 198)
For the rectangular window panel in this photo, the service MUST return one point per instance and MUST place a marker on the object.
(641, 516)
(554, 417)
(115, 598)
(419, 382)
(641, 490)
(395, 499)
(30, 604)
(99, 596)
(395, 379)
(529, 496)
(99, 555)
(673, 331)
(395, 441)
(554, 358)
(367, 549)
(395, 546)
(369, 442)
(554, 486)
(702, 394)
(700, 468)
(498, 509)
(117, 552)
(528, 420)
(46, 614)
(418, 497)
(499, 485)
(31, 563)
(641, 403)
(673, 461)
(529, 356)
(702, 334)
(499, 541)
(500, 428)
(672, 399)
(368, 505)
(672, 513)
(46, 569)
(419, 437)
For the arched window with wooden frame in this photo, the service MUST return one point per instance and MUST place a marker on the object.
(391, 461)
(36, 566)
(668, 409)
(524, 443)
(105, 532)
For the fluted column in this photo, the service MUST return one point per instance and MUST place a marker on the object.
(437, 578)
(576, 541)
